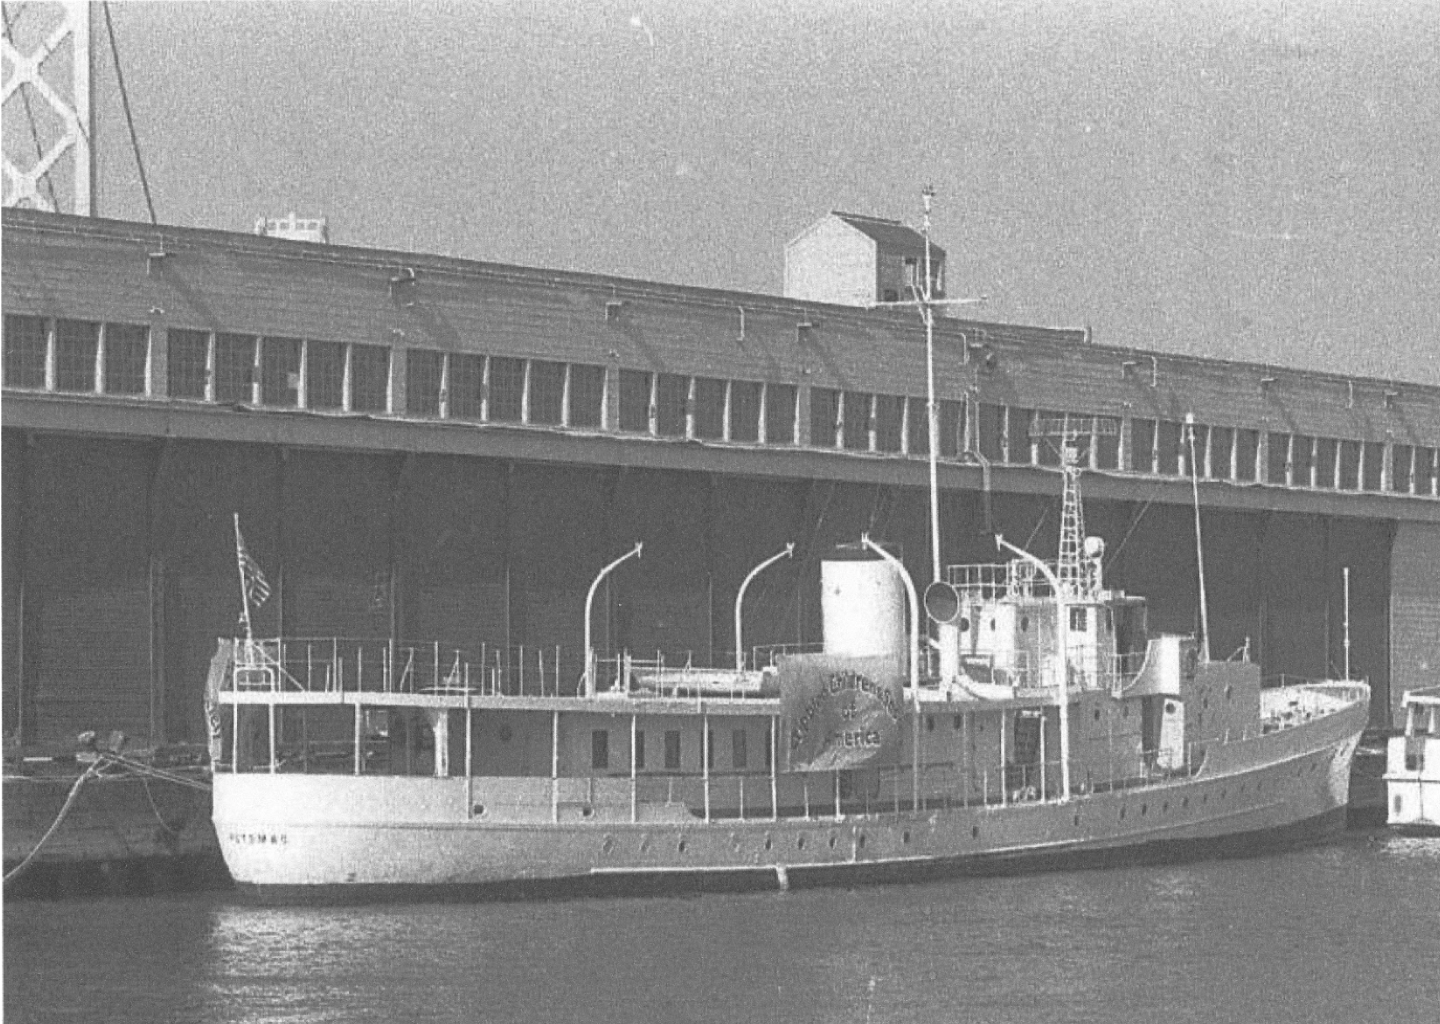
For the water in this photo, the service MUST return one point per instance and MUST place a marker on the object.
(1344, 932)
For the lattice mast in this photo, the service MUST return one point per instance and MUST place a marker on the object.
(1075, 569)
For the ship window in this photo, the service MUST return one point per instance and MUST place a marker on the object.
(964, 624)
(127, 347)
(639, 749)
(1024, 623)
(1078, 619)
(25, 345)
(738, 753)
(185, 363)
(672, 749)
(600, 748)
(957, 721)
(929, 723)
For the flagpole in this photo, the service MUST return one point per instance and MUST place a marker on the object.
(244, 593)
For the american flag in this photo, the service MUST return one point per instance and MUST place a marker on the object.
(257, 587)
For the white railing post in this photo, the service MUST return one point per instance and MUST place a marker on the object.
(789, 552)
(589, 603)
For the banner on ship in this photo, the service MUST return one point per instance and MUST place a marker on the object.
(839, 712)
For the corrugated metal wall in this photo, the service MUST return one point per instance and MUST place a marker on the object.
(480, 550)
(1414, 610)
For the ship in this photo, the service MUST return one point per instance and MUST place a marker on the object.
(1020, 716)
(1412, 769)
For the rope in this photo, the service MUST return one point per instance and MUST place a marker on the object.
(129, 119)
(29, 114)
(89, 774)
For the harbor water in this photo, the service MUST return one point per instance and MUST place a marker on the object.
(1347, 931)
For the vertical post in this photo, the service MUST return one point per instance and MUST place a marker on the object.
(838, 815)
(1044, 721)
(271, 707)
(555, 766)
(1347, 622)
(705, 759)
(234, 737)
(469, 752)
(634, 778)
(359, 735)
(1004, 786)
(774, 761)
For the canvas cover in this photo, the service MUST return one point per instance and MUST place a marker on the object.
(839, 712)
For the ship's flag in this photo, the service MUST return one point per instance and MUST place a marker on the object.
(839, 712)
(256, 586)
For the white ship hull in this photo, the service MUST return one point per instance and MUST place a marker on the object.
(313, 834)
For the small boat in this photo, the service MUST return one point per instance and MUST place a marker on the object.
(1412, 770)
(1039, 725)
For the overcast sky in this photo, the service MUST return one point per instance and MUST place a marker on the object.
(1241, 180)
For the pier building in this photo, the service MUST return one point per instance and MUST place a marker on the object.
(435, 449)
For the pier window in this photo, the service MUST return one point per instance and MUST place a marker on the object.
(1045, 433)
(234, 376)
(1020, 446)
(26, 350)
(369, 378)
(1349, 471)
(710, 408)
(639, 748)
(1402, 457)
(1372, 465)
(600, 749)
(635, 387)
(952, 428)
(1277, 463)
(1219, 461)
(424, 370)
(1142, 446)
(672, 403)
(1302, 460)
(1425, 471)
(672, 750)
(889, 423)
(1107, 443)
(127, 357)
(745, 411)
(467, 386)
(547, 393)
(856, 420)
(781, 401)
(824, 417)
(507, 390)
(185, 363)
(991, 425)
(738, 753)
(77, 342)
(279, 372)
(587, 395)
(1325, 463)
(1169, 440)
(918, 426)
(1247, 454)
(324, 375)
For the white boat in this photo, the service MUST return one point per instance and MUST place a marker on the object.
(1412, 768)
(1039, 726)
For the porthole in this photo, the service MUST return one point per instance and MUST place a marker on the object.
(992, 625)
(768, 842)
(478, 811)
(905, 836)
(800, 843)
(1229, 691)
(964, 624)
(1097, 714)
(680, 846)
(860, 842)
(958, 721)
(929, 723)
(1024, 623)
(832, 842)
(974, 831)
(586, 812)
(1077, 821)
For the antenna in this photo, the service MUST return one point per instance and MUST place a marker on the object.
(1078, 575)
(1199, 546)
